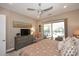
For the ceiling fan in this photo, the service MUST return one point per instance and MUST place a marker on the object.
(39, 10)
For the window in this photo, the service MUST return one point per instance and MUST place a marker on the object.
(47, 30)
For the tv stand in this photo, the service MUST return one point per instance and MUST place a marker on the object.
(23, 41)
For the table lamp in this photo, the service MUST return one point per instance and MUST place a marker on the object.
(76, 33)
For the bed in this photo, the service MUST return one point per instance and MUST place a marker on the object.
(44, 47)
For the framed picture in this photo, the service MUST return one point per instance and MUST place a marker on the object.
(17, 24)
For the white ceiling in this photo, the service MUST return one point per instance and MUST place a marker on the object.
(58, 8)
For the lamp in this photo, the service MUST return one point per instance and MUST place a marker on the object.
(76, 33)
(32, 30)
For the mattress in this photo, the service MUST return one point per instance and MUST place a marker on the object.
(44, 47)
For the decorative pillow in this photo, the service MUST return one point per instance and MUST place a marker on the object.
(69, 48)
(70, 51)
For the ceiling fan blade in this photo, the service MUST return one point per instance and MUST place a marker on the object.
(31, 9)
(48, 9)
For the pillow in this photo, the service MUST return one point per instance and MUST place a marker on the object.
(69, 48)
(70, 51)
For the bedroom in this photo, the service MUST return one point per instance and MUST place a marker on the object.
(18, 17)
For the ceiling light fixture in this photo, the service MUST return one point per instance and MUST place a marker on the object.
(39, 10)
(65, 6)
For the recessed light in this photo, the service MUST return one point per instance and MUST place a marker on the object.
(65, 6)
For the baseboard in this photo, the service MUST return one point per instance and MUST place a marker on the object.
(9, 50)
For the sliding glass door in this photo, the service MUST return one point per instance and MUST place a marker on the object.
(58, 29)
(54, 30)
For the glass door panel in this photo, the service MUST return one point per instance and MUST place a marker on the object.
(47, 31)
(58, 29)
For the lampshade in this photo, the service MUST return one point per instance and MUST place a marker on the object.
(76, 32)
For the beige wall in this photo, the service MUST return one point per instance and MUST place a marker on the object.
(73, 20)
(11, 32)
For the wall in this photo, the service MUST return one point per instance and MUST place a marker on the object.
(72, 17)
(11, 32)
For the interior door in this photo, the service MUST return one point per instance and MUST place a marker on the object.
(2, 35)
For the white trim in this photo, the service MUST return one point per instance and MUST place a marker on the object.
(10, 49)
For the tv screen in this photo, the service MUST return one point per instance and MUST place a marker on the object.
(25, 32)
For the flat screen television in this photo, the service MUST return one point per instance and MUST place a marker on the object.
(25, 32)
